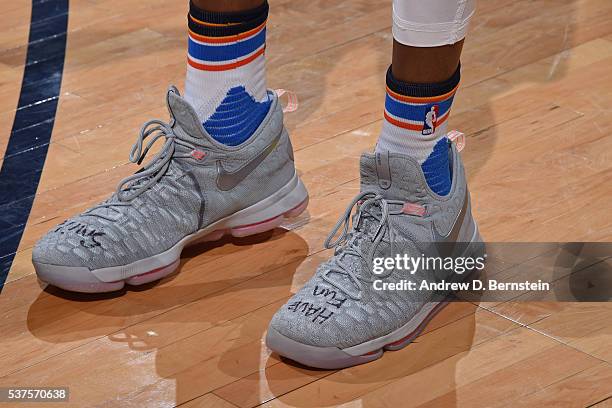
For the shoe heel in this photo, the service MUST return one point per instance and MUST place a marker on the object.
(288, 202)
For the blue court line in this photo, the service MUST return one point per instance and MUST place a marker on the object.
(34, 118)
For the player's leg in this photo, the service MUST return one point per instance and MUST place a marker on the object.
(226, 77)
(413, 194)
(226, 166)
(227, 6)
(422, 81)
(418, 59)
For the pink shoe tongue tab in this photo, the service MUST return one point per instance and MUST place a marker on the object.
(292, 99)
(458, 138)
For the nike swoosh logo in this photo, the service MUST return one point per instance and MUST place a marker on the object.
(227, 180)
(453, 234)
(447, 246)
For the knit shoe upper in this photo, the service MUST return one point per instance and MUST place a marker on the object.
(395, 213)
(190, 183)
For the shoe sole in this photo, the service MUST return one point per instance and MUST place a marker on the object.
(288, 202)
(337, 358)
(333, 358)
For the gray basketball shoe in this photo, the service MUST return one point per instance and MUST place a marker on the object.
(344, 316)
(193, 189)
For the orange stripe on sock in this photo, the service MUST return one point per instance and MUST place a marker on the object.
(403, 125)
(410, 126)
(225, 67)
(204, 23)
(227, 39)
(414, 99)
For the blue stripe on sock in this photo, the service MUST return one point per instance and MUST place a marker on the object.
(411, 111)
(437, 168)
(218, 53)
(237, 117)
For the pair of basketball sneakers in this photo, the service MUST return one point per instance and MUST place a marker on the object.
(197, 189)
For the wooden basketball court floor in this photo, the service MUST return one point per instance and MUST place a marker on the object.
(535, 105)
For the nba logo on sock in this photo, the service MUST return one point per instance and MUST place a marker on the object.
(431, 119)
